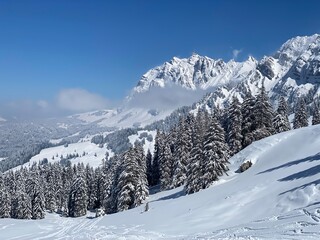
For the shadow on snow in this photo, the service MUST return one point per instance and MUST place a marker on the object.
(312, 158)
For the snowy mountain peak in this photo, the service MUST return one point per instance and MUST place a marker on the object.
(195, 72)
(295, 47)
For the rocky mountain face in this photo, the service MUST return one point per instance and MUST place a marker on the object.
(293, 71)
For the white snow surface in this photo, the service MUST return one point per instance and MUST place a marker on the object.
(148, 145)
(277, 198)
(89, 153)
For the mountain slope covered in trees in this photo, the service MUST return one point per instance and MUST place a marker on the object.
(277, 198)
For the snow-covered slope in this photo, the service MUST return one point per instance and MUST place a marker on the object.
(277, 198)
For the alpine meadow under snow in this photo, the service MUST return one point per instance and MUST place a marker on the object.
(239, 162)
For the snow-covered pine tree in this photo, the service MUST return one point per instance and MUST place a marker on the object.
(216, 154)
(116, 166)
(263, 115)
(142, 190)
(300, 115)
(50, 190)
(194, 169)
(166, 161)
(127, 181)
(158, 150)
(280, 121)
(35, 192)
(20, 202)
(91, 190)
(182, 154)
(77, 205)
(59, 190)
(21, 205)
(316, 114)
(149, 167)
(234, 122)
(67, 179)
(5, 199)
(247, 120)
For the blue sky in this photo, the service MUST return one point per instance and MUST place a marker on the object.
(104, 47)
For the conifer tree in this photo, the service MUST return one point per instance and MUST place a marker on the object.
(166, 161)
(182, 154)
(50, 191)
(300, 116)
(91, 189)
(35, 192)
(142, 190)
(247, 112)
(21, 205)
(234, 136)
(158, 150)
(263, 115)
(5, 199)
(195, 167)
(132, 186)
(149, 167)
(77, 205)
(216, 154)
(316, 114)
(280, 121)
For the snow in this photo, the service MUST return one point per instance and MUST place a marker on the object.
(90, 150)
(277, 198)
(148, 145)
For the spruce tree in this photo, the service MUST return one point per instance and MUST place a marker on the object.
(316, 114)
(5, 199)
(35, 192)
(234, 122)
(300, 116)
(149, 167)
(21, 205)
(195, 167)
(263, 115)
(182, 154)
(166, 162)
(280, 121)
(216, 154)
(142, 190)
(158, 150)
(247, 112)
(132, 186)
(77, 205)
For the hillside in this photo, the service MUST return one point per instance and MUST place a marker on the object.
(277, 198)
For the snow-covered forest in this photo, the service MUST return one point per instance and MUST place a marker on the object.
(194, 153)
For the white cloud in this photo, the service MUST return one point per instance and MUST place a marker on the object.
(170, 97)
(80, 100)
(235, 53)
(43, 104)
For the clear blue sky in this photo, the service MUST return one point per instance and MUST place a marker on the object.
(105, 46)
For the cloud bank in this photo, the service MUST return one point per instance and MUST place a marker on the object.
(80, 100)
(166, 98)
(66, 102)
